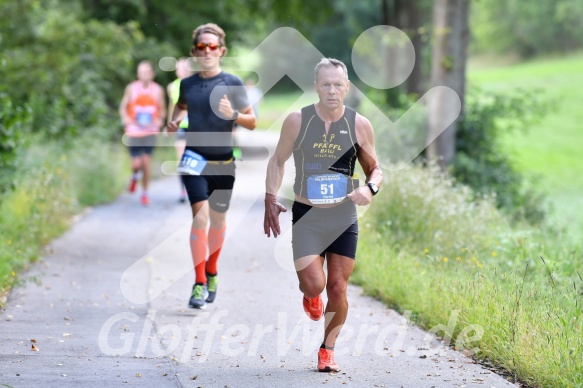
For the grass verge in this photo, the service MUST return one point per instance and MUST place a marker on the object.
(51, 184)
(434, 248)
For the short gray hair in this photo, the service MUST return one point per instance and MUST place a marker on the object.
(330, 62)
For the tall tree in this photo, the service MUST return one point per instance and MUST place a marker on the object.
(411, 17)
(448, 68)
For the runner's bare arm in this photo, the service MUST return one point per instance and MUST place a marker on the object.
(275, 169)
(123, 106)
(246, 116)
(367, 158)
(177, 116)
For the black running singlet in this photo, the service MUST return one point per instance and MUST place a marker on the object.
(197, 93)
(325, 161)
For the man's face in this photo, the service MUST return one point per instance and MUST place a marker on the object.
(332, 86)
(209, 54)
(145, 72)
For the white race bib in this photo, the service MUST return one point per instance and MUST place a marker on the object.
(191, 163)
(326, 188)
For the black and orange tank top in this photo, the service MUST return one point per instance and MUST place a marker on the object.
(325, 161)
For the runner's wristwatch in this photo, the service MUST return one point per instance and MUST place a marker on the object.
(235, 115)
(373, 188)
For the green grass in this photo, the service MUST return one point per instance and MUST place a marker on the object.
(52, 183)
(549, 151)
(429, 247)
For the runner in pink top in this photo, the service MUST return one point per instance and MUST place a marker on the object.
(142, 112)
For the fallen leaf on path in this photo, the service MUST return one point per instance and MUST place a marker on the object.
(34, 348)
(194, 377)
(67, 335)
(33, 340)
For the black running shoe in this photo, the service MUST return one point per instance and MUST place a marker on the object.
(212, 282)
(198, 296)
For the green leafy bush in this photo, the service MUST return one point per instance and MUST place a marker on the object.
(70, 69)
(526, 28)
(14, 121)
(51, 183)
(483, 164)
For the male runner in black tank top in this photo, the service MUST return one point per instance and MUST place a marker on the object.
(325, 140)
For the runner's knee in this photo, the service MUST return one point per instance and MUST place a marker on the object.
(312, 287)
(336, 291)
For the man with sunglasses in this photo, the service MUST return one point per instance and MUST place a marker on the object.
(215, 101)
(325, 140)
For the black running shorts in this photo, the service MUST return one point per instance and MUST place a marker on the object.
(317, 231)
(215, 184)
(141, 145)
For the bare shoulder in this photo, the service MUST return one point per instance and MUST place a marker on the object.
(290, 131)
(292, 123)
(294, 118)
(363, 127)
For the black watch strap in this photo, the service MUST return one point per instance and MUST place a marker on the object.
(373, 188)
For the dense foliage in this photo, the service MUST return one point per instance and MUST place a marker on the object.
(483, 164)
(13, 121)
(527, 28)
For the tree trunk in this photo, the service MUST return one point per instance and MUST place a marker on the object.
(448, 68)
(392, 15)
(415, 80)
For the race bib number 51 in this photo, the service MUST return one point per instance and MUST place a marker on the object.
(326, 188)
(191, 163)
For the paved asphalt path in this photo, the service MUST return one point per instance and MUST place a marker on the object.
(107, 306)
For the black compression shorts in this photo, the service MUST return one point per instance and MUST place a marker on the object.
(215, 184)
(141, 145)
(317, 231)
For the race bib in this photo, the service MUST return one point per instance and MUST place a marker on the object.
(326, 188)
(191, 163)
(144, 118)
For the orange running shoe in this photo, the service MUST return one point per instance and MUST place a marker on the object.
(326, 361)
(314, 307)
(145, 200)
